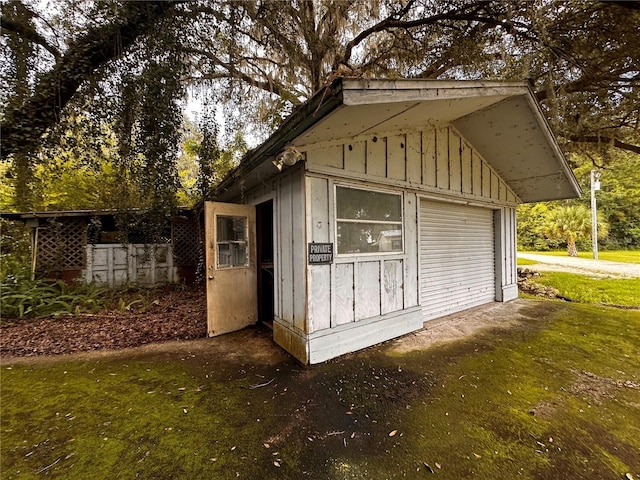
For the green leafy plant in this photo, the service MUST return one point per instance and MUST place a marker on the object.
(571, 223)
(22, 297)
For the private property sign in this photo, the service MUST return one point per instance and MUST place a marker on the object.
(320, 253)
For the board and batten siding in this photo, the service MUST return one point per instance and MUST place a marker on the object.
(356, 287)
(322, 311)
(437, 160)
(505, 244)
(287, 191)
(435, 163)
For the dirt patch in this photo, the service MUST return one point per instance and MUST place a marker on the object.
(181, 315)
(544, 410)
(595, 389)
(173, 315)
(470, 322)
(547, 267)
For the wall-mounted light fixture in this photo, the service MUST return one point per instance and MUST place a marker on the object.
(289, 157)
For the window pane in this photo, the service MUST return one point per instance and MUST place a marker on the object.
(224, 255)
(369, 237)
(231, 241)
(356, 204)
(231, 228)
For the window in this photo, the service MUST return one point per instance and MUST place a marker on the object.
(368, 221)
(231, 236)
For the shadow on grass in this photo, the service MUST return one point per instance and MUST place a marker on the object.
(554, 395)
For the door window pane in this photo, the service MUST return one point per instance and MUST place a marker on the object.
(231, 237)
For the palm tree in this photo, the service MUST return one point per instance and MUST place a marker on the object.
(572, 223)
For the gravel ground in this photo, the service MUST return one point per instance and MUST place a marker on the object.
(582, 265)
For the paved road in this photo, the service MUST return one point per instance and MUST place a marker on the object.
(583, 265)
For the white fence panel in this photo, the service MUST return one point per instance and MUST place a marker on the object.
(115, 265)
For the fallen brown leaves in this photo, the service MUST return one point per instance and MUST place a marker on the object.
(177, 315)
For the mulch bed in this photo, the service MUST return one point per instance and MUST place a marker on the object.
(178, 315)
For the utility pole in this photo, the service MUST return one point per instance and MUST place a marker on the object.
(595, 185)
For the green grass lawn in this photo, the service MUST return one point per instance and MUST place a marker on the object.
(586, 289)
(554, 396)
(524, 262)
(626, 256)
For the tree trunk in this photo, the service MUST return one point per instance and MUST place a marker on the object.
(572, 250)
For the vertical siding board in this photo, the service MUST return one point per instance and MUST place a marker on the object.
(298, 240)
(393, 286)
(442, 158)
(498, 221)
(495, 186)
(319, 297)
(476, 174)
(511, 253)
(327, 156)
(512, 245)
(319, 276)
(414, 158)
(467, 171)
(411, 287)
(343, 294)
(429, 158)
(377, 156)
(486, 180)
(277, 241)
(503, 190)
(455, 162)
(286, 256)
(367, 289)
(318, 225)
(396, 157)
(355, 156)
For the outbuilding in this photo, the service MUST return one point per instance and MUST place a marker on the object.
(377, 206)
(112, 249)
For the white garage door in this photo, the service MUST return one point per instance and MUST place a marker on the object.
(457, 261)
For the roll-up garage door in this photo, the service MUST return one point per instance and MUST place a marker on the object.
(457, 261)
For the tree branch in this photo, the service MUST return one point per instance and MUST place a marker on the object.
(468, 12)
(23, 126)
(28, 33)
(610, 140)
(233, 72)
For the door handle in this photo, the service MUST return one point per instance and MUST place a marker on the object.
(211, 277)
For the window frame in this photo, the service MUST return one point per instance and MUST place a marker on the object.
(337, 220)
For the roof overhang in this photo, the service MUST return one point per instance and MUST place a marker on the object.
(501, 120)
(57, 214)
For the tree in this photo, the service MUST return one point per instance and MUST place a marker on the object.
(128, 64)
(581, 58)
(66, 68)
(571, 223)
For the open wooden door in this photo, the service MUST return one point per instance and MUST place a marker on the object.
(230, 243)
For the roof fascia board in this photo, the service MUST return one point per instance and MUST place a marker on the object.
(362, 92)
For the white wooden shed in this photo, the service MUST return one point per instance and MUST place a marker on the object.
(377, 206)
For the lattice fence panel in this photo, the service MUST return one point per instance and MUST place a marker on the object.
(186, 242)
(61, 245)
